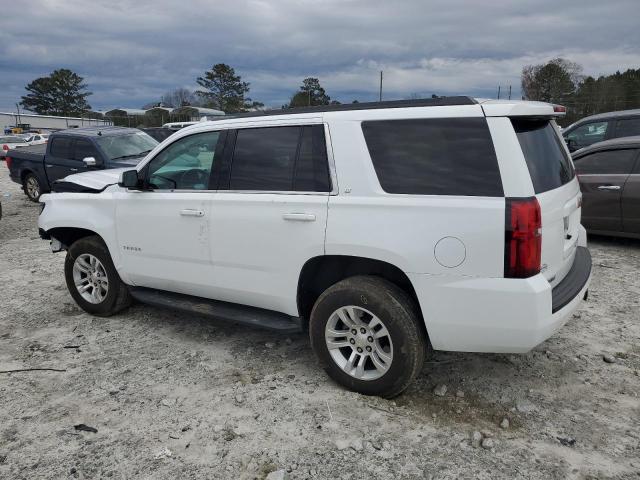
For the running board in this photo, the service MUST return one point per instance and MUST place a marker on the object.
(230, 312)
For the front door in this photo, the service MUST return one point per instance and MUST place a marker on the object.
(631, 201)
(164, 230)
(60, 161)
(602, 177)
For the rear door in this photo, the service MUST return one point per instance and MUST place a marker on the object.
(557, 190)
(631, 200)
(602, 177)
(269, 214)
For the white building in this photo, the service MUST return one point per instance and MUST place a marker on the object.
(46, 122)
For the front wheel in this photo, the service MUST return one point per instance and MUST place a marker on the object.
(32, 187)
(366, 334)
(92, 278)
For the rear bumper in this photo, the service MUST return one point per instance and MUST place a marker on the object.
(499, 315)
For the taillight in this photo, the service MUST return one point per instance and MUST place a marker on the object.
(5, 147)
(523, 237)
(559, 109)
(8, 161)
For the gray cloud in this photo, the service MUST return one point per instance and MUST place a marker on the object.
(130, 52)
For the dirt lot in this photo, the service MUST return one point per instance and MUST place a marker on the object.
(173, 396)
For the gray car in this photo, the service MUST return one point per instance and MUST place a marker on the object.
(604, 126)
(609, 175)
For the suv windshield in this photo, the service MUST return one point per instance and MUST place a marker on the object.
(117, 147)
(549, 164)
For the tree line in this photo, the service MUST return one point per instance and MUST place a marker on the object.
(64, 92)
(561, 81)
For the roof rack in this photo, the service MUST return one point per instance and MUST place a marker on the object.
(425, 102)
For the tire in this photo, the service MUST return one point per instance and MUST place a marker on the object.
(375, 302)
(79, 267)
(31, 187)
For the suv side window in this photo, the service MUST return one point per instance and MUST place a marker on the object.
(61, 147)
(186, 164)
(628, 127)
(84, 149)
(443, 156)
(589, 133)
(280, 159)
(607, 162)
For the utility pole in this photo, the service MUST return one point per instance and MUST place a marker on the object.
(18, 109)
(498, 92)
(380, 97)
(509, 92)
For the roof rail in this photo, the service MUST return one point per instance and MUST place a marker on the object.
(425, 102)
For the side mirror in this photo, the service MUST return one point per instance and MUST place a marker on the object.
(129, 179)
(90, 161)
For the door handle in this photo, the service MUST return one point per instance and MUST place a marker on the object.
(609, 187)
(49, 166)
(299, 217)
(73, 169)
(188, 212)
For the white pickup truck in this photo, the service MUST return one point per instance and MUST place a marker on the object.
(385, 230)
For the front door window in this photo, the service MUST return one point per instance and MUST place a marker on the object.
(186, 164)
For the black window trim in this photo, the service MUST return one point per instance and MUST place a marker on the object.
(225, 171)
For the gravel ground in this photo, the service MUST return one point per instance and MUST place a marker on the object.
(175, 396)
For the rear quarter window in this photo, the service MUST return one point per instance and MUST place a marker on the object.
(443, 156)
(549, 164)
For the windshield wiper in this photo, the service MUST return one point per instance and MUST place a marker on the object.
(141, 154)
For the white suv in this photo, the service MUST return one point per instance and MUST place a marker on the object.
(384, 229)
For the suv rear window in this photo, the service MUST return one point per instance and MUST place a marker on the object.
(443, 156)
(549, 164)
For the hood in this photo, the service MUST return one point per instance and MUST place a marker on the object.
(95, 179)
(128, 162)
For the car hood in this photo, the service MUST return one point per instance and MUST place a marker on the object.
(95, 179)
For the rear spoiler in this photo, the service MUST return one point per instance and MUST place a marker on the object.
(498, 108)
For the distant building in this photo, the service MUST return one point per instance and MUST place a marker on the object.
(194, 114)
(47, 122)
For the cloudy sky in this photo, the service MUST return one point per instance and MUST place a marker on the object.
(132, 51)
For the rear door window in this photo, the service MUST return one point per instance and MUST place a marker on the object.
(443, 156)
(628, 127)
(607, 162)
(548, 162)
(84, 149)
(280, 159)
(61, 147)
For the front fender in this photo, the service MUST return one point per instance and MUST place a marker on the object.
(94, 212)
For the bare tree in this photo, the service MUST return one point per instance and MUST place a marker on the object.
(179, 97)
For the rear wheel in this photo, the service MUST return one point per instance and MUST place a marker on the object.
(366, 334)
(32, 187)
(92, 279)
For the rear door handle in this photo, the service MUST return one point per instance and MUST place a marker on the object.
(299, 217)
(609, 187)
(188, 212)
(73, 169)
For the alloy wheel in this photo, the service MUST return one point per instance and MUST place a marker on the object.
(359, 343)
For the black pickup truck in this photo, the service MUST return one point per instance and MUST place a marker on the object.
(76, 150)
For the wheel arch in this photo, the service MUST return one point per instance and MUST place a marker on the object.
(320, 272)
(69, 235)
